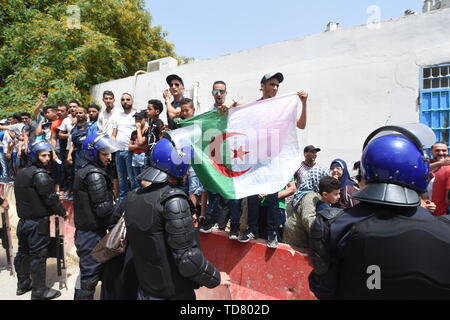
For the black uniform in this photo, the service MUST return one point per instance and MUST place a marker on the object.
(36, 201)
(374, 251)
(94, 213)
(160, 232)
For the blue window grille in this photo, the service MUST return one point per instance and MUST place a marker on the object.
(435, 100)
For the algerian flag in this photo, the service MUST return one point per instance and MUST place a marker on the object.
(251, 150)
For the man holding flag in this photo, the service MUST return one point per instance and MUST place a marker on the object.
(248, 151)
(270, 84)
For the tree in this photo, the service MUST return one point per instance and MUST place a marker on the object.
(65, 47)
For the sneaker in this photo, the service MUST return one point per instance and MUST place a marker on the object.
(234, 231)
(209, 226)
(247, 236)
(272, 240)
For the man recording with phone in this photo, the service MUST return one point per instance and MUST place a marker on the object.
(37, 110)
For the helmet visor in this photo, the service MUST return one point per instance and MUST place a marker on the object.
(41, 146)
(421, 135)
(106, 145)
(422, 132)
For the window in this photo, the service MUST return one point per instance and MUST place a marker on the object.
(436, 77)
(435, 100)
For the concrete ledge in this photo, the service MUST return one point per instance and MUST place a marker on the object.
(258, 272)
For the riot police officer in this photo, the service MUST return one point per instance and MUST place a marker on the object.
(93, 209)
(168, 261)
(36, 201)
(387, 246)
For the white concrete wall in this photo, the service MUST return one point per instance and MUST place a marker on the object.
(358, 78)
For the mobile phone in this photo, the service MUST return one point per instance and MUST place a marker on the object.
(45, 93)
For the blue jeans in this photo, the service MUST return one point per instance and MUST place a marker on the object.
(14, 164)
(125, 172)
(235, 210)
(3, 165)
(137, 171)
(213, 206)
(273, 219)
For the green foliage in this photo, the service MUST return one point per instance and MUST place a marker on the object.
(43, 48)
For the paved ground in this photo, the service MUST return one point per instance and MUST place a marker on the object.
(8, 283)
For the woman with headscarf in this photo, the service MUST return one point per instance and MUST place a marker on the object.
(338, 170)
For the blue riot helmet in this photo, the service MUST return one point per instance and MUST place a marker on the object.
(38, 147)
(95, 143)
(170, 159)
(395, 166)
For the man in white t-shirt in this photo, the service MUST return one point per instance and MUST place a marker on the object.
(7, 149)
(104, 125)
(68, 123)
(4, 136)
(123, 125)
(104, 122)
(65, 137)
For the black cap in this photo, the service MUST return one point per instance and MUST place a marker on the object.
(141, 114)
(174, 77)
(311, 148)
(271, 75)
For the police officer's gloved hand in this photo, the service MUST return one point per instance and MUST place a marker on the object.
(110, 221)
(119, 209)
(61, 212)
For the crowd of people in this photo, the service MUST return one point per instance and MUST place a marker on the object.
(101, 158)
(110, 161)
(66, 126)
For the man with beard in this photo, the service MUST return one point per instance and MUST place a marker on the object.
(439, 153)
(65, 138)
(78, 135)
(36, 201)
(310, 154)
(123, 126)
(93, 111)
(104, 124)
(93, 209)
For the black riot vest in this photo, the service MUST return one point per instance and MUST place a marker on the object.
(154, 262)
(84, 217)
(395, 257)
(28, 203)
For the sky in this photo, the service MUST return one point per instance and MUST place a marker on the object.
(204, 29)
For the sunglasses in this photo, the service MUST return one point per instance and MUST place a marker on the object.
(128, 99)
(216, 91)
(176, 84)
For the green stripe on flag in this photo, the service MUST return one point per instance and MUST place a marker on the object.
(212, 124)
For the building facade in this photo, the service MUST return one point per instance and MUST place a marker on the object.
(359, 78)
